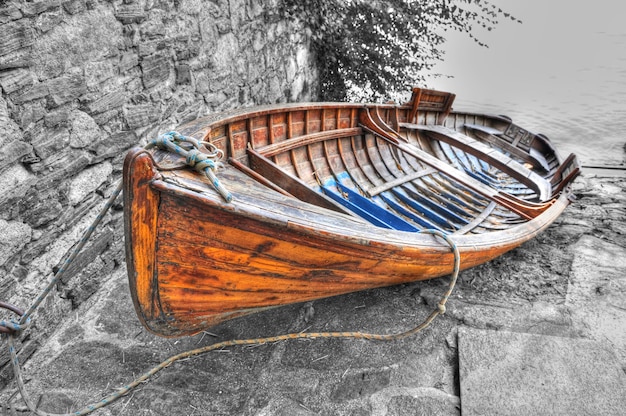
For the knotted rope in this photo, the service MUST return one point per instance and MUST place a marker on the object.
(206, 163)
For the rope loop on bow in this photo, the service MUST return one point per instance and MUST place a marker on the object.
(205, 162)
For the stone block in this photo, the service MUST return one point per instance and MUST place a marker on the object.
(56, 118)
(18, 59)
(38, 209)
(141, 115)
(429, 401)
(361, 383)
(110, 101)
(31, 9)
(49, 19)
(507, 373)
(15, 36)
(116, 144)
(59, 166)
(13, 151)
(225, 53)
(74, 6)
(596, 294)
(35, 92)
(130, 13)
(98, 72)
(9, 128)
(15, 80)
(183, 74)
(89, 254)
(88, 180)
(15, 182)
(9, 12)
(84, 131)
(128, 60)
(13, 237)
(66, 88)
(155, 70)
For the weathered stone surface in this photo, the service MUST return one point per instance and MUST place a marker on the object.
(74, 6)
(9, 12)
(48, 20)
(110, 101)
(15, 36)
(116, 144)
(98, 72)
(36, 91)
(155, 69)
(10, 129)
(361, 382)
(596, 294)
(141, 115)
(127, 61)
(81, 38)
(509, 373)
(60, 166)
(84, 131)
(13, 237)
(54, 141)
(35, 8)
(15, 183)
(88, 180)
(40, 208)
(66, 88)
(12, 151)
(427, 401)
(14, 80)
(58, 117)
(130, 13)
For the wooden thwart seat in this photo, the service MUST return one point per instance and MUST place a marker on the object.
(493, 136)
(371, 121)
(490, 155)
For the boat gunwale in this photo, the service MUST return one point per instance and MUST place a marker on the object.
(368, 234)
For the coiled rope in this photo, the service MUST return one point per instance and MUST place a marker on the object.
(11, 330)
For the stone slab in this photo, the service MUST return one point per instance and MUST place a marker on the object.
(596, 294)
(507, 373)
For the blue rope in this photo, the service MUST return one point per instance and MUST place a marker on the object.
(194, 158)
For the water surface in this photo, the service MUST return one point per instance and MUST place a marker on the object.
(562, 72)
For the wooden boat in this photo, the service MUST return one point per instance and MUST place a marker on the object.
(328, 198)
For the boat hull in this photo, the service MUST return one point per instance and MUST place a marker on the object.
(292, 231)
(194, 263)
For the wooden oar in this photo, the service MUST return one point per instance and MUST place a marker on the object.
(371, 121)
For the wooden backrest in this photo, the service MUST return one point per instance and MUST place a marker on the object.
(432, 101)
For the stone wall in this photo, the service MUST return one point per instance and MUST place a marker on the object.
(84, 80)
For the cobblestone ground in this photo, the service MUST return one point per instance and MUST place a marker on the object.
(568, 282)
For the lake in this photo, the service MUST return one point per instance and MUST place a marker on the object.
(562, 72)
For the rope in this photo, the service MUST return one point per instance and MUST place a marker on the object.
(203, 162)
(194, 158)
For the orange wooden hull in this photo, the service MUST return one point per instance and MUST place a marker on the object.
(195, 260)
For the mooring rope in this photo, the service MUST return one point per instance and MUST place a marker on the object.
(206, 163)
(12, 329)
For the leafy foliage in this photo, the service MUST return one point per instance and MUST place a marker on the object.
(377, 49)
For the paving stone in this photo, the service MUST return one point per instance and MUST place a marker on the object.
(507, 373)
(427, 401)
(596, 294)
